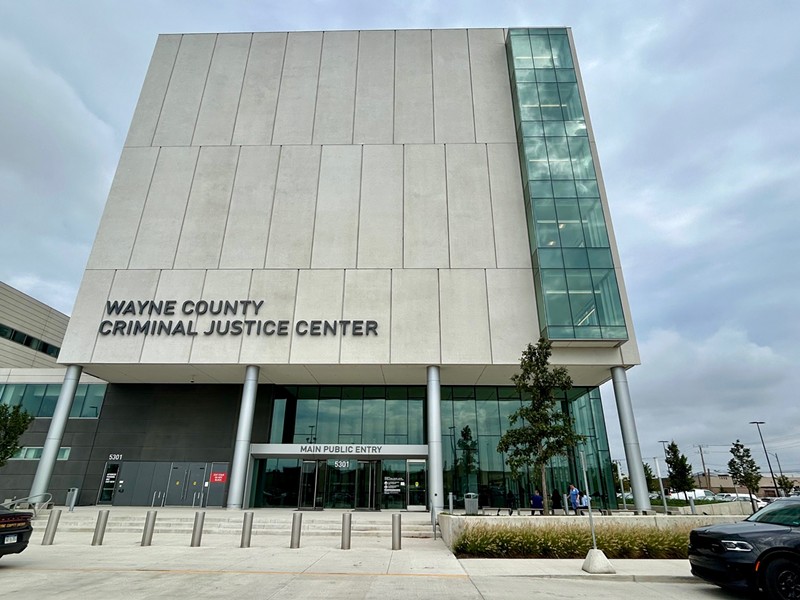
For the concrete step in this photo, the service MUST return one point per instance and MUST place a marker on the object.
(414, 525)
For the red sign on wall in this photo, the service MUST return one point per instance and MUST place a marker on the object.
(218, 477)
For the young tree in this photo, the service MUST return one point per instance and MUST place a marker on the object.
(13, 423)
(785, 484)
(469, 450)
(744, 470)
(652, 482)
(679, 470)
(539, 429)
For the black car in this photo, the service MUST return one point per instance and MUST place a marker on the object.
(15, 531)
(761, 552)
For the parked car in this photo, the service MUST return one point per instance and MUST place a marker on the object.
(761, 552)
(15, 531)
(695, 494)
(730, 497)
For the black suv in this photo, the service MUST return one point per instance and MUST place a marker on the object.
(761, 552)
(15, 531)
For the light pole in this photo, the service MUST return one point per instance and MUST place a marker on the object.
(621, 484)
(452, 429)
(758, 425)
(780, 470)
(664, 445)
(661, 486)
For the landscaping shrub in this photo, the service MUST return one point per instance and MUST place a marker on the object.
(570, 541)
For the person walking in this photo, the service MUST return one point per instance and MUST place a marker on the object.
(573, 498)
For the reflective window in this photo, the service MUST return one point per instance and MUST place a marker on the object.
(30, 341)
(557, 162)
(35, 453)
(40, 400)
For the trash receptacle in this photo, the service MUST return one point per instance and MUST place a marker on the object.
(471, 503)
(72, 498)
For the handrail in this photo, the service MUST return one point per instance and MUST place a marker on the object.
(35, 505)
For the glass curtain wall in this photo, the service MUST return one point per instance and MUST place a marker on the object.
(473, 419)
(576, 287)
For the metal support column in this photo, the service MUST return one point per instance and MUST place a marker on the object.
(435, 474)
(44, 471)
(630, 439)
(241, 451)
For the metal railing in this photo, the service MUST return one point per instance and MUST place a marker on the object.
(34, 503)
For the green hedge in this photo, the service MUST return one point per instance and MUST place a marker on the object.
(570, 541)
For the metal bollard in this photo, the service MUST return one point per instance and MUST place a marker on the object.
(197, 530)
(149, 526)
(346, 523)
(50, 530)
(247, 530)
(297, 523)
(396, 531)
(100, 528)
(450, 501)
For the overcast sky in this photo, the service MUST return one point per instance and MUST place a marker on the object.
(696, 111)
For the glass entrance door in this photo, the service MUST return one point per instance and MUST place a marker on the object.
(416, 482)
(367, 475)
(312, 482)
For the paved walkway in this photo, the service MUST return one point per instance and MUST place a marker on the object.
(424, 568)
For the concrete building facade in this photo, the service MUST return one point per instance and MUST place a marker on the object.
(321, 257)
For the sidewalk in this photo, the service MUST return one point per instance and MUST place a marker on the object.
(424, 568)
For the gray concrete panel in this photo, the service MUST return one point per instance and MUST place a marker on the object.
(200, 244)
(182, 101)
(465, 316)
(413, 90)
(148, 108)
(508, 208)
(363, 374)
(512, 313)
(222, 91)
(374, 116)
(160, 226)
(117, 232)
(128, 285)
(84, 322)
(278, 291)
(216, 342)
(367, 295)
(425, 208)
(415, 316)
(175, 349)
(292, 226)
(259, 98)
(333, 121)
(336, 219)
(319, 296)
(250, 213)
(469, 208)
(294, 118)
(452, 88)
(380, 231)
(491, 90)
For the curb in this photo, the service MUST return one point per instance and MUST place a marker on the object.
(688, 579)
